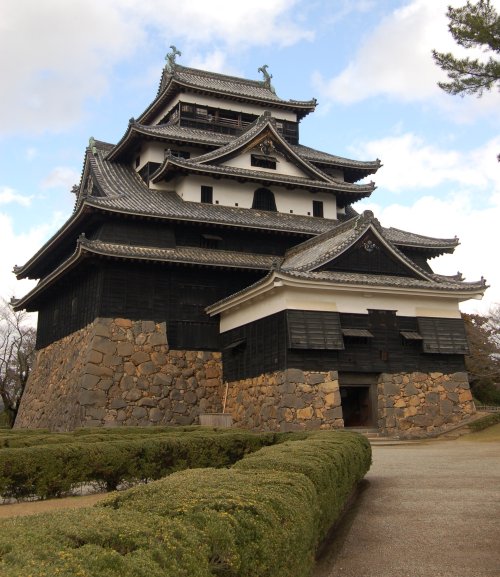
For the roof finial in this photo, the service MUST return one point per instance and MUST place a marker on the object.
(267, 76)
(92, 146)
(170, 58)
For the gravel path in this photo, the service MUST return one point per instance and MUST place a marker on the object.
(426, 510)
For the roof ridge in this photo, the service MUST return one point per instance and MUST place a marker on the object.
(221, 76)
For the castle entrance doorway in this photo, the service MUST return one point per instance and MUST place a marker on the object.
(358, 395)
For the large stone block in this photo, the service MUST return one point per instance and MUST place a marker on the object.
(104, 345)
(294, 376)
(97, 397)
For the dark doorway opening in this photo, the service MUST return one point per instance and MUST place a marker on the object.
(356, 406)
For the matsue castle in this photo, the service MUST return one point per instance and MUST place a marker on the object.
(213, 263)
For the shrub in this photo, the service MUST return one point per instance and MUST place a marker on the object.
(51, 470)
(485, 422)
(263, 517)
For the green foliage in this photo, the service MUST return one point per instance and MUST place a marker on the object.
(4, 420)
(486, 393)
(263, 517)
(485, 422)
(472, 26)
(103, 542)
(52, 470)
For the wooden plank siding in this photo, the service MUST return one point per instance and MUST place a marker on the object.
(265, 347)
(135, 290)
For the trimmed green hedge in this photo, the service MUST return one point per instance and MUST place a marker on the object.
(266, 516)
(16, 438)
(485, 422)
(52, 470)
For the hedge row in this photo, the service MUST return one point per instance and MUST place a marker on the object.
(263, 517)
(32, 437)
(485, 422)
(52, 470)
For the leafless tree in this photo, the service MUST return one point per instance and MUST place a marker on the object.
(17, 354)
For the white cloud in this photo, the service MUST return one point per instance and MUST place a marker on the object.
(471, 211)
(395, 61)
(60, 54)
(61, 177)
(21, 247)
(410, 162)
(8, 195)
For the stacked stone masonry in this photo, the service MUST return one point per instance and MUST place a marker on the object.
(286, 401)
(419, 404)
(119, 372)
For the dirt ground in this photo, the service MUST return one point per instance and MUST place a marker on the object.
(33, 507)
(430, 509)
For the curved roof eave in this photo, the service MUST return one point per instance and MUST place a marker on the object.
(238, 173)
(175, 85)
(22, 272)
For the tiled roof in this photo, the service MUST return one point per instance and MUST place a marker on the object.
(324, 157)
(325, 247)
(126, 192)
(186, 255)
(223, 86)
(265, 125)
(354, 191)
(183, 254)
(410, 239)
(436, 283)
(166, 132)
(339, 279)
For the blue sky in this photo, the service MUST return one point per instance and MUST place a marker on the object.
(77, 69)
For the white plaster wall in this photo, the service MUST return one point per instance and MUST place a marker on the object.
(283, 298)
(155, 152)
(224, 105)
(283, 166)
(230, 192)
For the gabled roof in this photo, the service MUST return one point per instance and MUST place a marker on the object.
(324, 248)
(345, 191)
(264, 128)
(222, 86)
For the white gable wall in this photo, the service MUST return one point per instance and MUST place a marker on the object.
(155, 152)
(231, 193)
(283, 166)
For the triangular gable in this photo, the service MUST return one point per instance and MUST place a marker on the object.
(357, 246)
(371, 255)
(262, 139)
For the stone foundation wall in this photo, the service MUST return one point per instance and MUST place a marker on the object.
(119, 372)
(419, 404)
(286, 401)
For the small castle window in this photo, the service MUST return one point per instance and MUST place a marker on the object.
(180, 154)
(263, 161)
(137, 161)
(210, 241)
(318, 208)
(263, 199)
(207, 194)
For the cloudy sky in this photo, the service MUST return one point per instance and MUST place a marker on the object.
(71, 70)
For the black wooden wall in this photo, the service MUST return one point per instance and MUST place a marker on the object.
(141, 291)
(264, 346)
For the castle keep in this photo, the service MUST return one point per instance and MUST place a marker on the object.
(213, 261)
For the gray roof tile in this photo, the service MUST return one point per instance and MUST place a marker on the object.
(183, 254)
